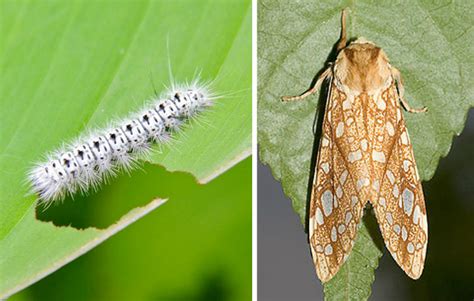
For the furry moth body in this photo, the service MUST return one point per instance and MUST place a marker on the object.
(90, 160)
(365, 155)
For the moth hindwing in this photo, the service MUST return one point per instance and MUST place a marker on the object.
(365, 155)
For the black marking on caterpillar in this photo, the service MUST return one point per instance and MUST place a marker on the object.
(94, 158)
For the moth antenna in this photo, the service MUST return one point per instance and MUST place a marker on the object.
(343, 39)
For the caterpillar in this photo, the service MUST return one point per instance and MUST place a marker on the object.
(365, 155)
(93, 158)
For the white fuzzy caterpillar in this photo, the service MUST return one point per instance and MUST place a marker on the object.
(91, 159)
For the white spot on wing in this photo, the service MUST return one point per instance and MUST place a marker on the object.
(333, 234)
(416, 215)
(381, 103)
(343, 177)
(362, 182)
(404, 233)
(390, 129)
(363, 144)
(341, 229)
(325, 142)
(390, 176)
(378, 156)
(396, 228)
(410, 248)
(408, 197)
(339, 192)
(382, 202)
(327, 199)
(328, 249)
(325, 167)
(406, 165)
(346, 105)
(376, 185)
(339, 129)
(404, 138)
(348, 217)
(389, 218)
(395, 191)
(354, 200)
(354, 156)
(319, 216)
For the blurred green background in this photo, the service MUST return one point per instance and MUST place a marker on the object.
(197, 246)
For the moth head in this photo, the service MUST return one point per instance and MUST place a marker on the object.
(362, 67)
(363, 40)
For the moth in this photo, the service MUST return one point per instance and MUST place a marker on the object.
(365, 155)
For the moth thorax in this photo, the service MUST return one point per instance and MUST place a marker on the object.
(362, 68)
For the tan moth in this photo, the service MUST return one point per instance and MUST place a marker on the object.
(365, 155)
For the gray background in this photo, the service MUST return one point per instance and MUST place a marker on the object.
(286, 271)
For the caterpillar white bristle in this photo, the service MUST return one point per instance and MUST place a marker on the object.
(92, 159)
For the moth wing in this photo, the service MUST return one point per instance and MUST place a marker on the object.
(400, 206)
(336, 206)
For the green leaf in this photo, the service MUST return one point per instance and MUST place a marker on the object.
(426, 42)
(355, 277)
(173, 253)
(70, 66)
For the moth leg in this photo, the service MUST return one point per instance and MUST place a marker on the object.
(326, 74)
(401, 90)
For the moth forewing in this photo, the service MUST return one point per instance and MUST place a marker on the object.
(365, 155)
(400, 207)
(335, 207)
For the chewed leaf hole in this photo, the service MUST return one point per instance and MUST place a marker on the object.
(105, 207)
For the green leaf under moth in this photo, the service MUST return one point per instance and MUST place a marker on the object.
(426, 41)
